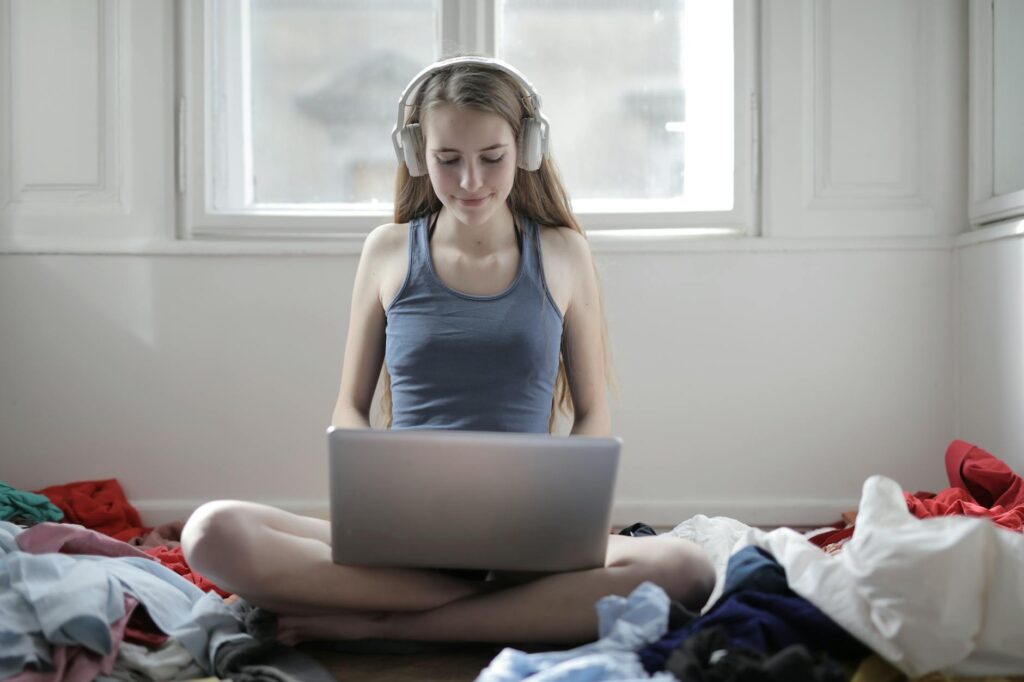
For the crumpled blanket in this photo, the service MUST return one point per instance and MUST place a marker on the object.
(926, 594)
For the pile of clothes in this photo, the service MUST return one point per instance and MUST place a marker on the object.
(911, 584)
(89, 593)
(915, 584)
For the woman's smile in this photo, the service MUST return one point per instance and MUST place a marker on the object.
(474, 201)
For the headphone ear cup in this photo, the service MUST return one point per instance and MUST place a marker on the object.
(413, 150)
(531, 144)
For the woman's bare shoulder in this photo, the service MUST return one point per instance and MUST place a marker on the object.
(385, 254)
(565, 244)
(566, 253)
(386, 240)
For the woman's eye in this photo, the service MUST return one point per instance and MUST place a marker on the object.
(446, 162)
(496, 160)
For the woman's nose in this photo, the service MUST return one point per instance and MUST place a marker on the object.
(471, 172)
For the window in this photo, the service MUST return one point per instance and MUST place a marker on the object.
(288, 107)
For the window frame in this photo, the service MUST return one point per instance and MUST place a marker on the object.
(466, 26)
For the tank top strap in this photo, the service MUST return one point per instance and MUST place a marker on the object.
(419, 246)
(532, 266)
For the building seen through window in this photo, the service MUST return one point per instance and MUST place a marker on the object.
(640, 100)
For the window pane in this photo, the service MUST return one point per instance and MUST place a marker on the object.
(639, 95)
(317, 85)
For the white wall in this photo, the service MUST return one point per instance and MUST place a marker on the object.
(761, 383)
(760, 378)
(991, 322)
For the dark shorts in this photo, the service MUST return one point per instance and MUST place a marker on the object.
(479, 574)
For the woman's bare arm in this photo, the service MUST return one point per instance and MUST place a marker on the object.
(585, 343)
(364, 346)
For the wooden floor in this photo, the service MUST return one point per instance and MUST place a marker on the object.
(454, 664)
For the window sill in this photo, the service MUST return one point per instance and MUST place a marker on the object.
(713, 240)
(1009, 229)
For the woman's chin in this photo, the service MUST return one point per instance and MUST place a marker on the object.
(473, 216)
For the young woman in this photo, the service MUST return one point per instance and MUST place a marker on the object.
(482, 305)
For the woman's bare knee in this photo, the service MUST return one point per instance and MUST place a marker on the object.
(213, 539)
(678, 566)
(685, 572)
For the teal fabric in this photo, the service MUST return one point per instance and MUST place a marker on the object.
(19, 503)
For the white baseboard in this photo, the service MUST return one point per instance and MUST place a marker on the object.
(753, 512)
(659, 513)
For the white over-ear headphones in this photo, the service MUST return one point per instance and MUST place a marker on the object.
(408, 139)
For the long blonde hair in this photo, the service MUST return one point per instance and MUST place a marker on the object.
(537, 194)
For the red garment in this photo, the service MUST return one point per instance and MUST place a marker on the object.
(831, 541)
(99, 505)
(982, 485)
(142, 630)
(172, 558)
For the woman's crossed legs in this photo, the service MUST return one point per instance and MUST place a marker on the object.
(282, 562)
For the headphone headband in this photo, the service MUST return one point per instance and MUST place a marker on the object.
(423, 75)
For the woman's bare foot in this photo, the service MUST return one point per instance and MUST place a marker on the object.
(334, 626)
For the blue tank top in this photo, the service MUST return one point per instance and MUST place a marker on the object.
(475, 363)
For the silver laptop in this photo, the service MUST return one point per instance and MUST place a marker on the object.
(431, 498)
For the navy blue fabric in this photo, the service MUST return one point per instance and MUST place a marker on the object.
(753, 568)
(476, 363)
(760, 612)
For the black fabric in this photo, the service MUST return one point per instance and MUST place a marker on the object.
(638, 529)
(251, 660)
(475, 574)
(679, 616)
(261, 624)
(708, 657)
(259, 658)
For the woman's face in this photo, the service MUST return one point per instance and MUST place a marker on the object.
(471, 160)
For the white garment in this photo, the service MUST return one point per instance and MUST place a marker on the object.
(926, 594)
(171, 661)
(718, 536)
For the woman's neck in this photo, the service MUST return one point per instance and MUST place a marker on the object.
(498, 233)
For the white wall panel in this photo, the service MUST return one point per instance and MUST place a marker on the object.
(63, 132)
(864, 118)
(87, 105)
(865, 151)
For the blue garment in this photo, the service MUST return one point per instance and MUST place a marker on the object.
(753, 568)
(763, 622)
(54, 598)
(760, 612)
(476, 363)
(626, 625)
